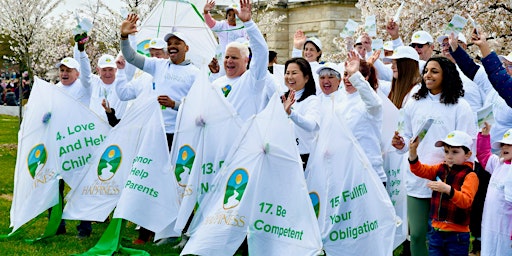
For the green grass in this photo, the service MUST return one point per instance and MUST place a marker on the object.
(58, 245)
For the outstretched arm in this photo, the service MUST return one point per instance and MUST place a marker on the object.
(210, 4)
(129, 26)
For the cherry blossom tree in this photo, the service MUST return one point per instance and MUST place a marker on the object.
(24, 23)
(433, 16)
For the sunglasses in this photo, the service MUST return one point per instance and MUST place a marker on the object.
(414, 45)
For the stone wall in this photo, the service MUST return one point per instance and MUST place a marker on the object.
(321, 18)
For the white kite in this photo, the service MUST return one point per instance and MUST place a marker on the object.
(260, 192)
(57, 138)
(354, 212)
(179, 16)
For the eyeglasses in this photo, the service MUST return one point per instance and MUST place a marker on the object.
(507, 66)
(414, 45)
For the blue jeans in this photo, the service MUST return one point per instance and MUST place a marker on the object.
(442, 243)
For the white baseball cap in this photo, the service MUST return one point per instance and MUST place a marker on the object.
(507, 139)
(179, 35)
(388, 45)
(460, 37)
(315, 41)
(70, 63)
(107, 61)
(404, 52)
(157, 43)
(508, 57)
(359, 40)
(330, 65)
(421, 37)
(456, 139)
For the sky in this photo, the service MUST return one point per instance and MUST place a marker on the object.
(71, 5)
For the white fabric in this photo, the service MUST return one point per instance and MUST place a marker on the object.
(149, 196)
(68, 133)
(472, 93)
(306, 119)
(171, 80)
(497, 215)
(502, 115)
(206, 125)
(227, 33)
(362, 111)
(179, 16)
(447, 118)
(355, 214)
(77, 91)
(252, 195)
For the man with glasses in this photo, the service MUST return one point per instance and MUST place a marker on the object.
(507, 62)
(423, 43)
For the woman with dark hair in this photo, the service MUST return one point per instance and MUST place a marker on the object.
(305, 112)
(362, 109)
(440, 99)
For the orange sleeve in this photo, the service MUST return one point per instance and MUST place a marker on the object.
(424, 170)
(464, 198)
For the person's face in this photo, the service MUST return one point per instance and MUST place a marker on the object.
(506, 152)
(445, 50)
(433, 77)
(230, 16)
(107, 75)
(349, 88)
(68, 75)
(158, 53)
(329, 83)
(177, 50)
(360, 50)
(310, 53)
(508, 66)
(455, 155)
(234, 63)
(425, 51)
(294, 78)
(394, 68)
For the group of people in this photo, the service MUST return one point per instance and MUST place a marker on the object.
(449, 89)
(10, 90)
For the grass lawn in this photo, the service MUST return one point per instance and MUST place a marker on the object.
(58, 245)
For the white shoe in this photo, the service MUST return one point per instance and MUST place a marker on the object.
(167, 240)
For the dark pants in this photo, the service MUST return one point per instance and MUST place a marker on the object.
(442, 243)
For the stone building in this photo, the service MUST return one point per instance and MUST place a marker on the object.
(321, 18)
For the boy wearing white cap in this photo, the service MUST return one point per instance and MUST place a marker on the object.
(454, 185)
(69, 72)
(497, 215)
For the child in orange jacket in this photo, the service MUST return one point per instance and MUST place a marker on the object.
(454, 185)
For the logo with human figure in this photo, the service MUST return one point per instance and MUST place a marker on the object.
(36, 159)
(109, 162)
(235, 188)
(186, 156)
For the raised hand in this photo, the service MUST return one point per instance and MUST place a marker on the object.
(486, 129)
(120, 62)
(129, 25)
(397, 141)
(299, 39)
(210, 4)
(479, 38)
(352, 63)
(374, 57)
(392, 29)
(453, 40)
(245, 10)
(288, 102)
